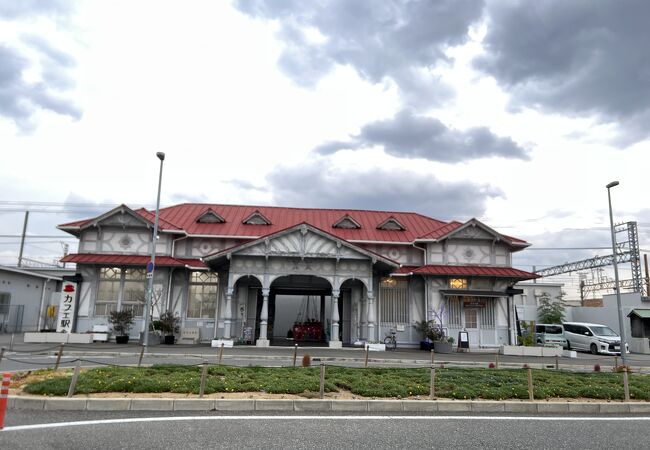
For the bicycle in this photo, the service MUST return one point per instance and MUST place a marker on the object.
(390, 341)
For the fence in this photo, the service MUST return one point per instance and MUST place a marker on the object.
(210, 374)
(11, 319)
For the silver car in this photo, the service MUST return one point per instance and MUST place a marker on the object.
(592, 337)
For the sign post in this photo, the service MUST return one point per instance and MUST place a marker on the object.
(65, 319)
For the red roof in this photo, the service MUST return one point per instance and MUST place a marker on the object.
(131, 260)
(183, 217)
(477, 271)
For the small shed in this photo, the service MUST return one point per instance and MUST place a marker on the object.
(640, 326)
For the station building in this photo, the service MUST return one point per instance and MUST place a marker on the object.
(264, 275)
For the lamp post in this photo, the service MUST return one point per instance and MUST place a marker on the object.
(152, 265)
(621, 322)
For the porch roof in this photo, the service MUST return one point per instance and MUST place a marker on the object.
(642, 313)
(132, 260)
(470, 270)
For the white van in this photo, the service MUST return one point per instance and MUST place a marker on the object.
(592, 337)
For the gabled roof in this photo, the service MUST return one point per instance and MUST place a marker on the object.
(346, 222)
(209, 216)
(300, 226)
(454, 227)
(182, 219)
(256, 218)
(391, 224)
(141, 214)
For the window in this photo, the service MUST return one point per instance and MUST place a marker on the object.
(5, 301)
(108, 290)
(117, 284)
(134, 286)
(453, 311)
(202, 297)
(394, 302)
(471, 318)
(458, 283)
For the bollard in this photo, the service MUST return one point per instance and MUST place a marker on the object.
(295, 354)
(432, 386)
(626, 385)
(322, 380)
(365, 364)
(496, 361)
(2, 354)
(220, 353)
(531, 396)
(11, 343)
(58, 358)
(432, 357)
(141, 355)
(557, 362)
(4, 392)
(73, 382)
(204, 374)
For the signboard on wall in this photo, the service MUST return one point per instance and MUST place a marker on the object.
(65, 319)
(474, 302)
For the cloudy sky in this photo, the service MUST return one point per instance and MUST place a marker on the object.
(517, 113)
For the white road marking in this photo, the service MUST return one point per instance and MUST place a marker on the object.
(315, 418)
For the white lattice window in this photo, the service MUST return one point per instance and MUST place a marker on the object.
(108, 290)
(120, 287)
(202, 296)
(394, 302)
(453, 311)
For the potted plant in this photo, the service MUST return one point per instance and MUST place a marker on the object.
(169, 325)
(431, 332)
(121, 322)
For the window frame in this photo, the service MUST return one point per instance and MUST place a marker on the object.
(120, 303)
(203, 284)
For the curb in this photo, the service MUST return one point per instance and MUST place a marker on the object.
(447, 406)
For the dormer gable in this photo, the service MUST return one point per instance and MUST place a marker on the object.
(346, 222)
(391, 224)
(257, 218)
(210, 216)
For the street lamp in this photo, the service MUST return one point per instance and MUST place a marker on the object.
(152, 265)
(621, 323)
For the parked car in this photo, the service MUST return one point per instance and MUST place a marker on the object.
(592, 337)
(549, 334)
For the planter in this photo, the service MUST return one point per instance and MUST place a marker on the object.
(376, 347)
(443, 347)
(169, 340)
(121, 339)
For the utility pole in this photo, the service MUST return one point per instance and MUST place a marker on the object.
(22, 240)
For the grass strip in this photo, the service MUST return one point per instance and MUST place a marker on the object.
(456, 383)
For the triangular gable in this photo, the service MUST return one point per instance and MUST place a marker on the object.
(304, 241)
(257, 218)
(119, 216)
(209, 216)
(391, 224)
(346, 222)
(475, 229)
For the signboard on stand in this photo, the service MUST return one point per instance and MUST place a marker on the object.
(65, 319)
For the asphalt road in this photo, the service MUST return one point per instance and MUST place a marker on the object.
(132, 430)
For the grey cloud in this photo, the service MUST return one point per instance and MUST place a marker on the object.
(318, 184)
(55, 55)
(577, 58)
(401, 40)
(410, 136)
(20, 99)
(13, 9)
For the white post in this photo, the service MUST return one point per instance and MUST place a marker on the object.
(263, 340)
(371, 316)
(334, 336)
(363, 313)
(228, 314)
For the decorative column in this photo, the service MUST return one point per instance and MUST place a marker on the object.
(227, 314)
(363, 314)
(370, 307)
(263, 340)
(334, 335)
